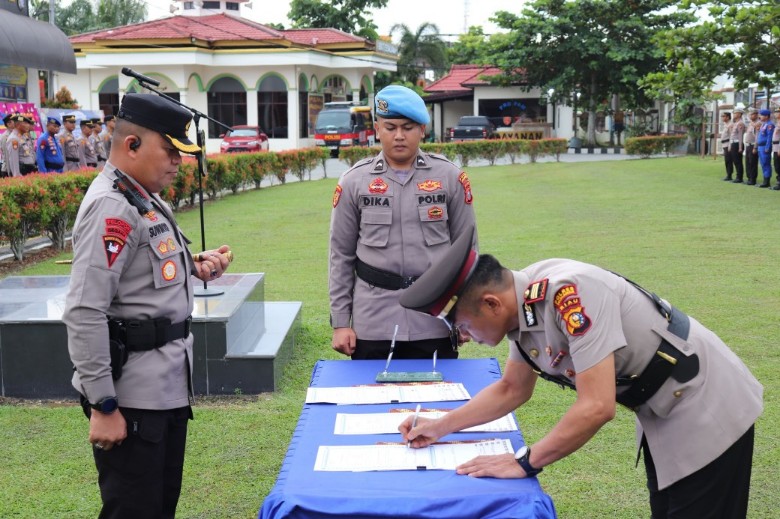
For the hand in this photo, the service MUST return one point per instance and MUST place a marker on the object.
(344, 340)
(212, 263)
(502, 466)
(423, 434)
(107, 429)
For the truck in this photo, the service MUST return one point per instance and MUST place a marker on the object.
(471, 128)
(343, 124)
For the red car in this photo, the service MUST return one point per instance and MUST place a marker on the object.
(243, 138)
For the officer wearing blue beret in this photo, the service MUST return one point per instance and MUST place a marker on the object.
(764, 145)
(48, 152)
(393, 215)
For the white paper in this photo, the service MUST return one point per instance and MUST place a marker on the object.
(387, 423)
(442, 456)
(387, 393)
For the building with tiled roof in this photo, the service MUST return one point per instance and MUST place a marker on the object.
(231, 68)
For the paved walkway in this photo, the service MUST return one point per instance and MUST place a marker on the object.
(335, 167)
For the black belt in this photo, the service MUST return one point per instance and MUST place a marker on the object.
(775, 142)
(93, 164)
(724, 140)
(52, 165)
(71, 160)
(382, 278)
(101, 159)
(149, 334)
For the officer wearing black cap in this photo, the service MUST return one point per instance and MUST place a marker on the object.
(97, 142)
(20, 147)
(612, 341)
(392, 216)
(128, 310)
(48, 152)
(105, 135)
(87, 152)
(70, 147)
(9, 127)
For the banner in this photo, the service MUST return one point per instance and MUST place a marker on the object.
(27, 109)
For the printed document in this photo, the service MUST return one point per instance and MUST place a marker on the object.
(387, 423)
(387, 393)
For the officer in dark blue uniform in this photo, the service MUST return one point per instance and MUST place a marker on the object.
(764, 145)
(48, 152)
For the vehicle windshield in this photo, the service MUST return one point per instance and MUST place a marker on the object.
(242, 132)
(333, 119)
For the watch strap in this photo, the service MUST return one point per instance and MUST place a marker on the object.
(524, 461)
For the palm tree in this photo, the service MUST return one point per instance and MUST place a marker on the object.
(419, 51)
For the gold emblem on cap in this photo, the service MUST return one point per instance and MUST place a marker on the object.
(187, 127)
(534, 352)
(381, 105)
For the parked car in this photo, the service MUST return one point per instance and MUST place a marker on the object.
(244, 138)
(473, 127)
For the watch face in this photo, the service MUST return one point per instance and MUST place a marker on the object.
(521, 452)
(108, 405)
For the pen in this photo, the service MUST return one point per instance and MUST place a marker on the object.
(392, 347)
(414, 422)
(435, 354)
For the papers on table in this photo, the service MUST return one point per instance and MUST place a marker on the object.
(386, 423)
(440, 456)
(387, 393)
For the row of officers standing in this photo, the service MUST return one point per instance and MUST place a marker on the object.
(758, 139)
(57, 149)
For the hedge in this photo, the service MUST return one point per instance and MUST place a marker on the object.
(653, 144)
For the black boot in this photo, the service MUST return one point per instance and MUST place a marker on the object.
(737, 180)
(727, 178)
(776, 187)
(765, 184)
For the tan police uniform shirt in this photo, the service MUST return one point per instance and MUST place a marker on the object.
(737, 132)
(725, 136)
(585, 313)
(750, 132)
(128, 266)
(776, 139)
(400, 226)
(70, 150)
(20, 150)
(100, 153)
(105, 139)
(87, 150)
(3, 152)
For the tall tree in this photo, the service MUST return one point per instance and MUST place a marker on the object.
(115, 13)
(88, 15)
(346, 15)
(475, 47)
(420, 50)
(594, 48)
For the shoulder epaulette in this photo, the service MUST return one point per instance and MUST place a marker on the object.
(536, 291)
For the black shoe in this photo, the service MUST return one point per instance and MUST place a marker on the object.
(727, 179)
(737, 181)
(765, 184)
(750, 184)
(776, 187)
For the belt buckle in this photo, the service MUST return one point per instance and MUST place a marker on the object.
(407, 281)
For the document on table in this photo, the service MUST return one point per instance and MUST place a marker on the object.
(386, 423)
(439, 456)
(387, 393)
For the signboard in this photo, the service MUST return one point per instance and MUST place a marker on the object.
(27, 109)
(13, 83)
(316, 102)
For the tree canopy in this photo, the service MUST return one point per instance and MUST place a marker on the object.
(420, 50)
(87, 15)
(594, 48)
(346, 15)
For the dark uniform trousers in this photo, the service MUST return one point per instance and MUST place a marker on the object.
(718, 491)
(373, 350)
(727, 159)
(751, 164)
(142, 477)
(776, 161)
(736, 159)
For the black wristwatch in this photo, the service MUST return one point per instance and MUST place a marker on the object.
(523, 456)
(106, 406)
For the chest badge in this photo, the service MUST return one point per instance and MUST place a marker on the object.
(378, 186)
(435, 213)
(169, 270)
(429, 185)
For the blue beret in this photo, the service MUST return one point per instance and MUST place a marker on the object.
(399, 102)
(764, 111)
(53, 120)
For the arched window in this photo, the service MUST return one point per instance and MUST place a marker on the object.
(108, 97)
(272, 107)
(226, 104)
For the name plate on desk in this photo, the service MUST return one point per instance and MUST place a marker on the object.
(409, 376)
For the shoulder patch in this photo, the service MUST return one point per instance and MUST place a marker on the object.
(463, 178)
(570, 307)
(337, 195)
(536, 291)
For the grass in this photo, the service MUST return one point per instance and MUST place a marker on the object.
(708, 246)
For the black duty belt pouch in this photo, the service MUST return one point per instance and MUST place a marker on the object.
(382, 278)
(118, 357)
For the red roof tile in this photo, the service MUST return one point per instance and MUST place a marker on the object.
(455, 80)
(320, 36)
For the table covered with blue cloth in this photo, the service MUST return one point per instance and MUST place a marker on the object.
(300, 492)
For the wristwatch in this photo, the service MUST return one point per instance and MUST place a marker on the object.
(523, 456)
(106, 406)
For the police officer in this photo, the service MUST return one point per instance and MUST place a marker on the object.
(764, 145)
(48, 152)
(392, 216)
(69, 145)
(725, 140)
(86, 150)
(613, 342)
(736, 143)
(776, 149)
(105, 135)
(9, 127)
(97, 141)
(751, 159)
(20, 148)
(131, 285)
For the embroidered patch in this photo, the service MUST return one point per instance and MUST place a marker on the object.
(558, 358)
(171, 244)
(564, 292)
(337, 196)
(43, 145)
(118, 227)
(463, 178)
(378, 186)
(15, 144)
(429, 185)
(380, 165)
(577, 321)
(169, 270)
(162, 247)
(420, 161)
(151, 216)
(530, 314)
(113, 246)
(435, 213)
(536, 291)
(569, 305)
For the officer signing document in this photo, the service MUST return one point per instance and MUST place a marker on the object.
(128, 312)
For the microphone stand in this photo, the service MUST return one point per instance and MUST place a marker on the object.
(206, 291)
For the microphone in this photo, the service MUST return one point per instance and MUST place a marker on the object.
(140, 77)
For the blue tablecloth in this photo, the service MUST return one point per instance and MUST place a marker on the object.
(300, 492)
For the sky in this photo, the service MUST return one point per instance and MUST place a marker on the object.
(451, 16)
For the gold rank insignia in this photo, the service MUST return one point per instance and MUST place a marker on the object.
(536, 291)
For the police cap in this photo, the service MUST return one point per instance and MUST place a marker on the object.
(764, 111)
(86, 122)
(739, 109)
(53, 120)
(163, 116)
(7, 118)
(109, 118)
(19, 118)
(438, 289)
(96, 120)
(69, 118)
(399, 102)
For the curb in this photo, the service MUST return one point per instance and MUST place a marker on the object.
(615, 150)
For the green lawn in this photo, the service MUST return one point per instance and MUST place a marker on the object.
(710, 247)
